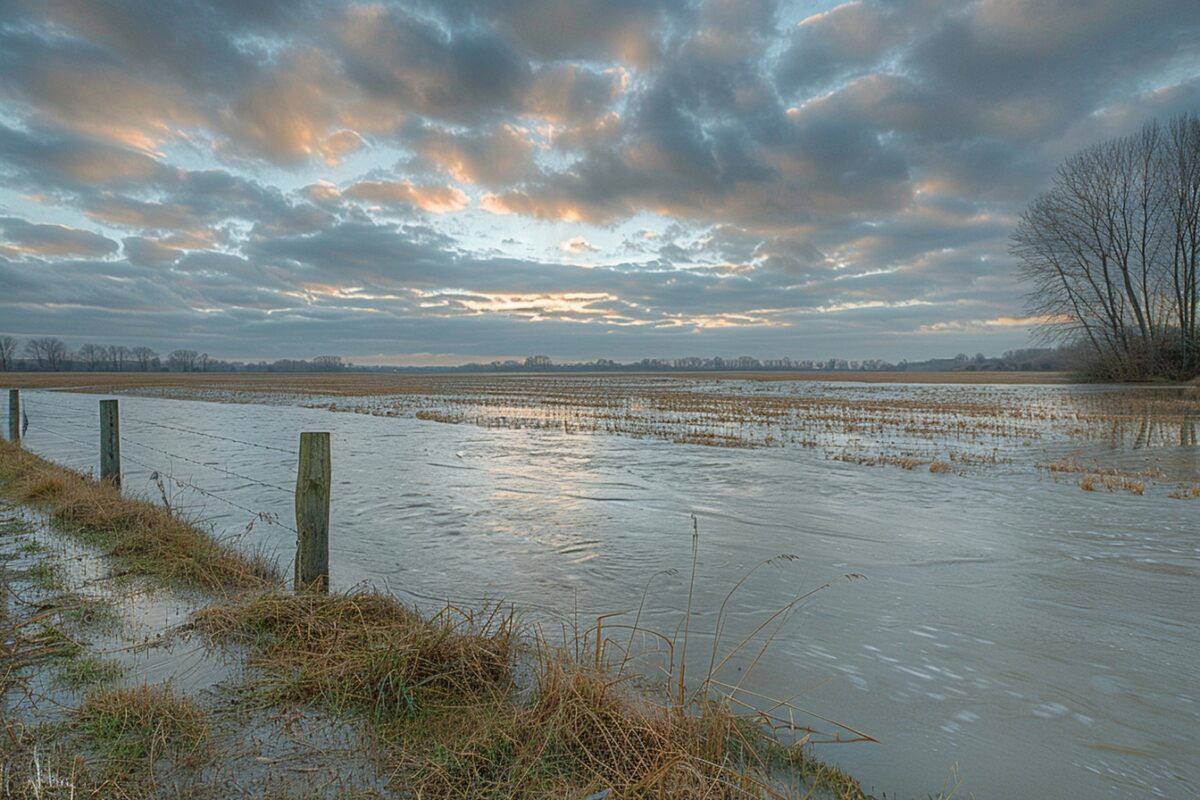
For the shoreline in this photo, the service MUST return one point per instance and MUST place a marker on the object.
(366, 383)
(305, 653)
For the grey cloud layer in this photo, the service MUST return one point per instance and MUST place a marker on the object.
(821, 177)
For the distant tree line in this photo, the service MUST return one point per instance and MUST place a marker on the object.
(1063, 358)
(1111, 252)
(51, 354)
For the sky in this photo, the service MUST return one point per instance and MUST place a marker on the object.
(441, 182)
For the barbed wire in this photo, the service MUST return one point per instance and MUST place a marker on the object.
(125, 437)
(230, 473)
(210, 435)
(180, 429)
(62, 436)
(265, 517)
(270, 519)
(38, 415)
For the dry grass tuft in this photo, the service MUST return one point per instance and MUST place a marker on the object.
(133, 728)
(143, 538)
(1185, 492)
(365, 651)
(1112, 483)
(443, 695)
(939, 467)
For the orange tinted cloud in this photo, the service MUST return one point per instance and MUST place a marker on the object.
(434, 199)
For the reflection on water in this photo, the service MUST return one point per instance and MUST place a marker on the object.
(1041, 637)
(1156, 433)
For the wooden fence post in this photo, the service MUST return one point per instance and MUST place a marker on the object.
(14, 415)
(110, 442)
(312, 513)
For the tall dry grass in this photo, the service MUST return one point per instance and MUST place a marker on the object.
(446, 696)
(140, 537)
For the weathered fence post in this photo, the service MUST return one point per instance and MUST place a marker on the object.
(14, 415)
(312, 513)
(110, 442)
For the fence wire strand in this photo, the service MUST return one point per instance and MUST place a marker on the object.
(266, 517)
(210, 435)
(230, 473)
(181, 429)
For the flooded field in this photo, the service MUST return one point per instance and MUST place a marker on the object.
(1030, 552)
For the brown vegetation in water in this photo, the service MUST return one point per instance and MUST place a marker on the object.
(142, 538)
(973, 426)
(134, 727)
(443, 698)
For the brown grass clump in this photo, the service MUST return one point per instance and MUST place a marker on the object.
(365, 651)
(1056, 468)
(132, 728)
(579, 734)
(444, 697)
(1129, 485)
(1112, 483)
(939, 467)
(1185, 492)
(143, 538)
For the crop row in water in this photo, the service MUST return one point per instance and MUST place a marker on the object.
(966, 426)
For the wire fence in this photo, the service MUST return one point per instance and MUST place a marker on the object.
(77, 423)
(52, 418)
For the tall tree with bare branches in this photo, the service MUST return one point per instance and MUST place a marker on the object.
(8, 353)
(48, 352)
(1111, 251)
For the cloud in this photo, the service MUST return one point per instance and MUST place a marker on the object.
(392, 175)
(434, 199)
(495, 156)
(24, 238)
(578, 244)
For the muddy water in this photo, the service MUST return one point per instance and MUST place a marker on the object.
(1041, 638)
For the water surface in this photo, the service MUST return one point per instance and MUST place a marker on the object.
(1041, 638)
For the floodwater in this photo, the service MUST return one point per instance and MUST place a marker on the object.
(1014, 633)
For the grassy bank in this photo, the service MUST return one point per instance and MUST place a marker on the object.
(141, 538)
(454, 704)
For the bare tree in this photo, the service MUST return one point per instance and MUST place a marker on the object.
(144, 357)
(47, 352)
(118, 355)
(94, 356)
(327, 363)
(1110, 250)
(182, 360)
(8, 353)
(1182, 168)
